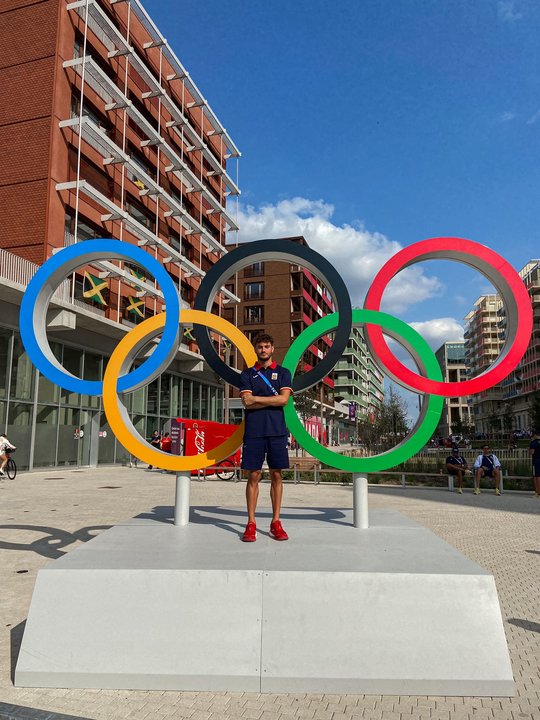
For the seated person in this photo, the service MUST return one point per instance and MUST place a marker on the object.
(457, 465)
(487, 465)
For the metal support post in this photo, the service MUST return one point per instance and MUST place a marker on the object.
(451, 483)
(360, 501)
(295, 474)
(316, 469)
(403, 479)
(181, 502)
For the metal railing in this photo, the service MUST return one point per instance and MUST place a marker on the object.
(16, 269)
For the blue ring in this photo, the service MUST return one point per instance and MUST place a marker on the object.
(42, 286)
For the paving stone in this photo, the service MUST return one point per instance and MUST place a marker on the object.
(498, 536)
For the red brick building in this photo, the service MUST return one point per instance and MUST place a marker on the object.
(103, 133)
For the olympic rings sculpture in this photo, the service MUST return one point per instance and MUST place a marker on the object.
(119, 379)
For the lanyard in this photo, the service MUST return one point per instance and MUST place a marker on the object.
(267, 381)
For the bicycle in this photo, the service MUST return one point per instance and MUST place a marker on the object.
(226, 470)
(11, 467)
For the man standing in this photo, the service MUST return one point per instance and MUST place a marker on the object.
(534, 452)
(457, 466)
(265, 390)
(487, 465)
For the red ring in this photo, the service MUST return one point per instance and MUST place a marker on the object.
(443, 248)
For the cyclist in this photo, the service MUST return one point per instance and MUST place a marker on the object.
(5, 445)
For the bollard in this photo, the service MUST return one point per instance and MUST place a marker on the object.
(316, 469)
(181, 502)
(403, 479)
(360, 501)
(450, 483)
(295, 474)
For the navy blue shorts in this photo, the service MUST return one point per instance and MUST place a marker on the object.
(275, 449)
(536, 468)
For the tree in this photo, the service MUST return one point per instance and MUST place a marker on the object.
(458, 427)
(389, 423)
(507, 420)
(535, 410)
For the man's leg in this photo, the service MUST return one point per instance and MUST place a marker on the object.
(252, 493)
(478, 474)
(276, 492)
(497, 476)
(460, 479)
(4, 459)
(537, 485)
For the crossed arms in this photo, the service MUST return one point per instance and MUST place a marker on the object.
(257, 402)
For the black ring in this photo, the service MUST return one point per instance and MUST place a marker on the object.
(290, 252)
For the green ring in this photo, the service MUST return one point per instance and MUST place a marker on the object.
(429, 416)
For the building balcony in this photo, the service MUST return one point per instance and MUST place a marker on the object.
(114, 98)
(138, 230)
(117, 45)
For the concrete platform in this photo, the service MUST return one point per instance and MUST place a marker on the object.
(147, 605)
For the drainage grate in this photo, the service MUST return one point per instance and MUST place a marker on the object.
(109, 487)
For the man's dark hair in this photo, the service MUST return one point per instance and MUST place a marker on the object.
(263, 337)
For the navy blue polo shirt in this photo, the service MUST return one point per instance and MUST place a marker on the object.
(535, 446)
(269, 421)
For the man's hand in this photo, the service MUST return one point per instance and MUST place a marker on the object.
(248, 400)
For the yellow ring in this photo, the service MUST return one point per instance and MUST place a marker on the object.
(128, 435)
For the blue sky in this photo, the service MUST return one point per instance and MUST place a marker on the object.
(370, 125)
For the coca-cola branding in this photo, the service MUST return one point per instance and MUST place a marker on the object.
(199, 441)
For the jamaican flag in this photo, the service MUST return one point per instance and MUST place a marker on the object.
(189, 335)
(135, 306)
(93, 287)
(136, 274)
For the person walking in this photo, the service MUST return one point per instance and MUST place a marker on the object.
(265, 389)
(456, 465)
(487, 465)
(534, 452)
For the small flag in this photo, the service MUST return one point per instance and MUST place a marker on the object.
(136, 274)
(189, 335)
(93, 287)
(136, 306)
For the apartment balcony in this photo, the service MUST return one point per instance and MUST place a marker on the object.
(138, 230)
(114, 98)
(19, 271)
(117, 45)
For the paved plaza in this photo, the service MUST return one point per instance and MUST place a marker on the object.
(44, 515)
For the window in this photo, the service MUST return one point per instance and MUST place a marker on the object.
(141, 214)
(254, 291)
(254, 314)
(252, 334)
(143, 163)
(254, 270)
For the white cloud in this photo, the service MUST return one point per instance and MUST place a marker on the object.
(534, 118)
(506, 117)
(356, 253)
(506, 11)
(439, 331)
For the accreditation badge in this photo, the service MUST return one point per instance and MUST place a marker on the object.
(274, 376)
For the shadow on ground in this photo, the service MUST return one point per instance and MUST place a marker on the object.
(525, 624)
(50, 546)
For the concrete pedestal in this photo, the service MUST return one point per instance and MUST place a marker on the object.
(149, 605)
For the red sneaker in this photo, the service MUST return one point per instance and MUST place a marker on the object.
(277, 531)
(250, 533)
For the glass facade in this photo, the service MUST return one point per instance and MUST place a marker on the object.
(55, 427)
